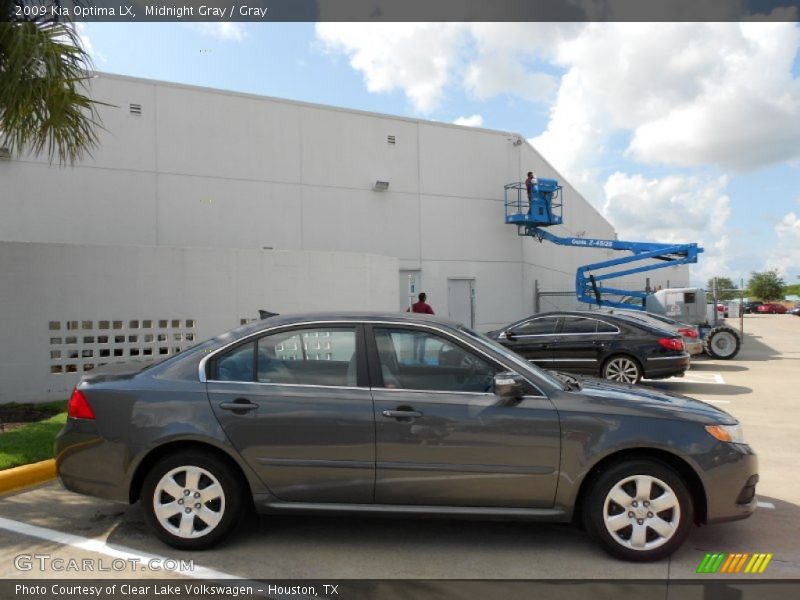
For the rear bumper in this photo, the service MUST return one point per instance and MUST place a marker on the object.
(658, 367)
(694, 347)
(88, 464)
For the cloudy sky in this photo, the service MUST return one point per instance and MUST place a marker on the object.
(676, 132)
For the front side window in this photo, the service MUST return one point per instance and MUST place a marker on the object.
(541, 326)
(420, 360)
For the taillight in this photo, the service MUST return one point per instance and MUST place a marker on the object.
(671, 343)
(688, 332)
(78, 406)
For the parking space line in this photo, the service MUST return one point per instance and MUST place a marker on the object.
(762, 504)
(704, 378)
(101, 547)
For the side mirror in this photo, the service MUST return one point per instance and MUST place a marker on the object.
(509, 385)
(510, 335)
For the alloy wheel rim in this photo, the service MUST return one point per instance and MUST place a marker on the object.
(622, 369)
(189, 502)
(641, 513)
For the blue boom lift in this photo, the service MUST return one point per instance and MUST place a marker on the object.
(543, 209)
(532, 212)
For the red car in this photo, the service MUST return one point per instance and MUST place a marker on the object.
(772, 308)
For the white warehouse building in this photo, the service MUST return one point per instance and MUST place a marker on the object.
(202, 206)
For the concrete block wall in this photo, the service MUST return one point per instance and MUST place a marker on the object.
(67, 306)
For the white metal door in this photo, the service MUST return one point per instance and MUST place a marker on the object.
(409, 288)
(461, 301)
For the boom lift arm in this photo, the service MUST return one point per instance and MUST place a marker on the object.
(531, 213)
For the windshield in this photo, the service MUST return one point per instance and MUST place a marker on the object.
(515, 358)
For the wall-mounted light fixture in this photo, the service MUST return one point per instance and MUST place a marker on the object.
(380, 186)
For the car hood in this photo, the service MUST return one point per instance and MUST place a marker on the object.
(628, 396)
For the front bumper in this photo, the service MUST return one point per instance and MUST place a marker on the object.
(731, 485)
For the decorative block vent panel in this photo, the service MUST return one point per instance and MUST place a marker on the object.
(96, 343)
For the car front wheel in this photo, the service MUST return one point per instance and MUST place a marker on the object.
(639, 510)
(191, 500)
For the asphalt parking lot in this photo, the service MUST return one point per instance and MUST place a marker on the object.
(760, 387)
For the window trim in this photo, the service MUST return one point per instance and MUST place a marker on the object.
(365, 326)
(557, 319)
(210, 361)
(559, 325)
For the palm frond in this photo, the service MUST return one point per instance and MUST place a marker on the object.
(44, 101)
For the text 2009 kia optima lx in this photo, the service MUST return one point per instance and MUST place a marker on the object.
(387, 413)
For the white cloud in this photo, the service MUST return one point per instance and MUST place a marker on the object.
(510, 58)
(676, 209)
(422, 59)
(417, 58)
(86, 42)
(785, 256)
(224, 31)
(472, 121)
(688, 94)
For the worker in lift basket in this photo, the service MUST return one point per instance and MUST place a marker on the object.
(529, 183)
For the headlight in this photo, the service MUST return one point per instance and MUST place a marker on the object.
(727, 433)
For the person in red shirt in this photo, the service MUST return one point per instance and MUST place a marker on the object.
(422, 306)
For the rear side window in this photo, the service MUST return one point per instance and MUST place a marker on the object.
(237, 364)
(541, 326)
(579, 325)
(603, 327)
(309, 357)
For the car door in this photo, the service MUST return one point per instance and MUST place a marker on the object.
(444, 438)
(576, 347)
(533, 339)
(296, 405)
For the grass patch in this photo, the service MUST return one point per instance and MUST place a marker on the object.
(30, 443)
(59, 405)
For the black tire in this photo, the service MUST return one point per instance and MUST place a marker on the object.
(722, 342)
(598, 506)
(622, 368)
(223, 512)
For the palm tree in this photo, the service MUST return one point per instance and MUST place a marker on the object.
(44, 106)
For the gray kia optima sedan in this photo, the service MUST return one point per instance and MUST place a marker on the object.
(398, 414)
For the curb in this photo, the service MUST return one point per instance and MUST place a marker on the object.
(27, 475)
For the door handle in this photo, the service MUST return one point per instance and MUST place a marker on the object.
(240, 404)
(401, 414)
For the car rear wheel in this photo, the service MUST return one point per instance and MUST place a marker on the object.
(623, 369)
(639, 510)
(191, 500)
